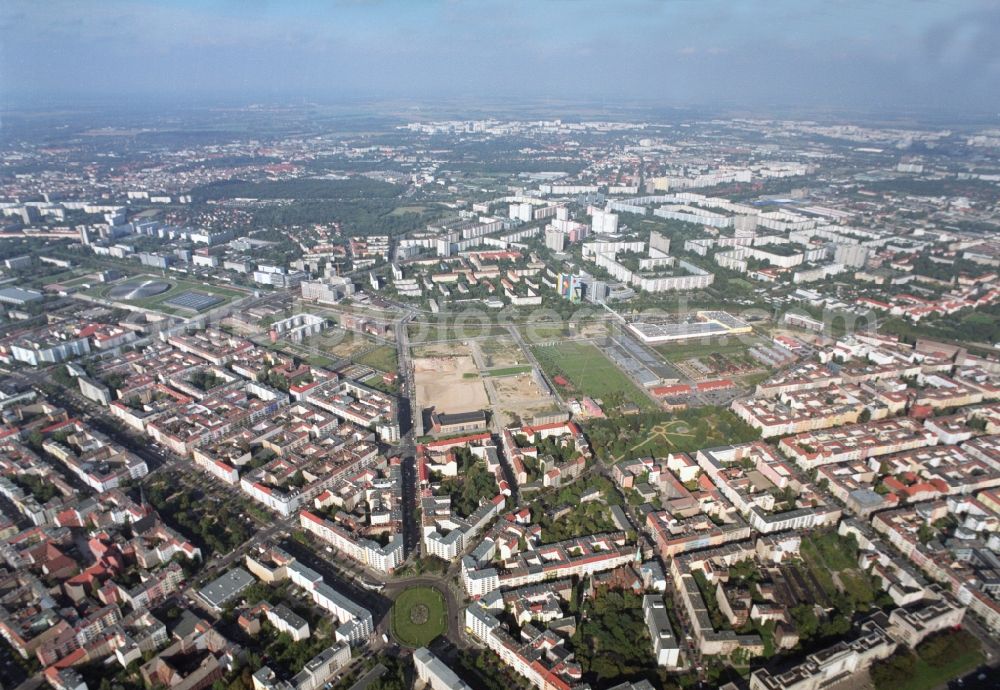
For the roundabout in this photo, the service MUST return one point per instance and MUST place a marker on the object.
(419, 615)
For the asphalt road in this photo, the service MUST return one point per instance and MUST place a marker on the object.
(452, 600)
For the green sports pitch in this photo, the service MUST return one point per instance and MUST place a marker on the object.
(590, 372)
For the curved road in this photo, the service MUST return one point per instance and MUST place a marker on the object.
(439, 583)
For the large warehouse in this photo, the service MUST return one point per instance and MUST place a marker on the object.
(706, 324)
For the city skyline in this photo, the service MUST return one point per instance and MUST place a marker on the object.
(878, 57)
(485, 345)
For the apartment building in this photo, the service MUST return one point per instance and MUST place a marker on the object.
(666, 648)
(856, 442)
(837, 661)
(434, 673)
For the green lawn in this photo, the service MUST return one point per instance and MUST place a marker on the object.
(73, 282)
(937, 660)
(510, 371)
(375, 381)
(382, 358)
(419, 615)
(177, 286)
(927, 677)
(591, 373)
(537, 332)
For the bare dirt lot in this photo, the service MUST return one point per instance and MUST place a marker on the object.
(519, 396)
(441, 350)
(441, 384)
(501, 352)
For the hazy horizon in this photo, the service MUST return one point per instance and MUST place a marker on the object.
(896, 56)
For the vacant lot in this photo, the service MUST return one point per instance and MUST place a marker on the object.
(382, 358)
(501, 352)
(425, 332)
(451, 349)
(520, 398)
(441, 383)
(334, 342)
(419, 616)
(591, 373)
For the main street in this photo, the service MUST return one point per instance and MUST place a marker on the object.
(410, 428)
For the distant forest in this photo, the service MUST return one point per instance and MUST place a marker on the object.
(360, 205)
(299, 189)
(364, 217)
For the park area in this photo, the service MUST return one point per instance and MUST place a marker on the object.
(832, 560)
(829, 566)
(590, 373)
(563, 515)
(660, 433)
(419, 615)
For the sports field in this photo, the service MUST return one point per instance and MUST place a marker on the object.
(419, 616)
(591, 373)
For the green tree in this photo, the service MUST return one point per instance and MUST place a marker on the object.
(895, 671)
(805, 619)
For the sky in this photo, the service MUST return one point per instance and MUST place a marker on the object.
(868, 55)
